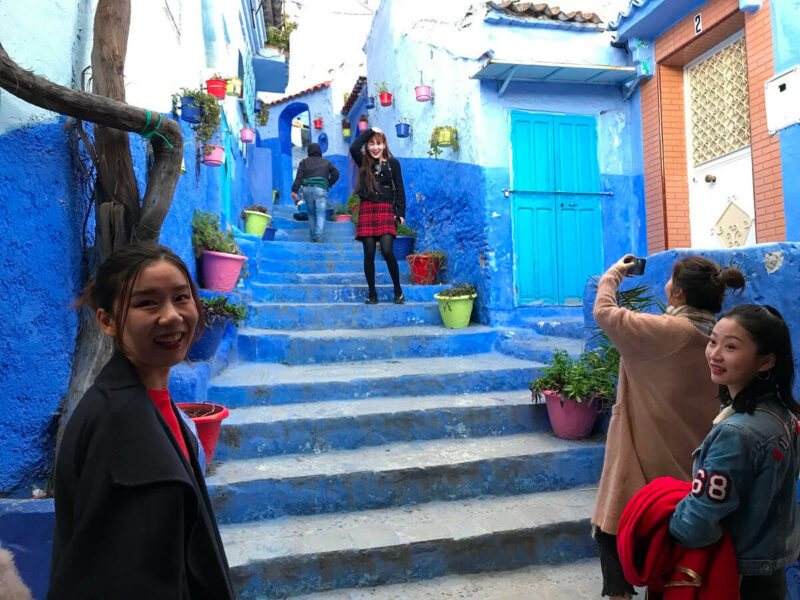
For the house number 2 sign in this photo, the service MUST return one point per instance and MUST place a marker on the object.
(698, 23)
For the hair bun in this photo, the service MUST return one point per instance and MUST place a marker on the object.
(730, 277)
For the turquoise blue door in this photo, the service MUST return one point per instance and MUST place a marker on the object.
(555, 206)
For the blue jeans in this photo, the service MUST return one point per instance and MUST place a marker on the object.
(316, 199)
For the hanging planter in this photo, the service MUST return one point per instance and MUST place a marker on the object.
(345, 128)
(208, 418)
(444, 136)
(423, 93)
(318, 122)
(363, 124)
(190, 111)
(216, 86)
(257, 106)
(386, 99)
(370, 102)
(213, 155)
(233, 86)
(183, 167)
(346, 132)
(403, 129)
(247, 135)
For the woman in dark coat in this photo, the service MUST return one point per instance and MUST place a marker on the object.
(383, 206)
(133, 517)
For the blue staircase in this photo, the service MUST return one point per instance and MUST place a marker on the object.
(369, 446)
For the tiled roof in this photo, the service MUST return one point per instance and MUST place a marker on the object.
(361, 82)
(314, 88)
(632, 6)
(542, 11)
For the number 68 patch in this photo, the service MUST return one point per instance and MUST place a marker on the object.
(716, 485)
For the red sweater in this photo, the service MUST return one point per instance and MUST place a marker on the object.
(650, 557)
(164, 406)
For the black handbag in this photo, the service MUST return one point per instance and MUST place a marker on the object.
(394, 195)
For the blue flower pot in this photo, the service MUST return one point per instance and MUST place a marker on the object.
(269, 234)
(190, 112)
(258, 105)
(370, 102)
(403, 246)
(206, 347)
(403, 130)
(329, 214)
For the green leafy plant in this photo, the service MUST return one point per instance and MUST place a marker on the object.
(405, 230)
(434, 253)
(262, 116)
(438, 135)
(458, 289)
(253, 208)
(340, 209)
(207, 235)
(279, 36)
(353, 202)
(220, 309)
(575, 378)
(382, 88)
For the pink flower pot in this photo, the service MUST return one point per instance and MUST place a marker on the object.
(423, 93)
(215, 157)
(572, 420)
(221, 270)
(247, 135)
(342, 218)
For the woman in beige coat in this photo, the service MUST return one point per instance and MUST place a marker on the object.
(666, 401)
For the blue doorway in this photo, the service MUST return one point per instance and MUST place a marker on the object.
(555, 203)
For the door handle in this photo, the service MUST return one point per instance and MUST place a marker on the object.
(573, 204)
(711, 178)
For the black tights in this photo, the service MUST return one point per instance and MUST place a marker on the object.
(387, 250)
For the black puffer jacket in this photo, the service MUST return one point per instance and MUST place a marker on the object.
(388, 173)
(315, 166)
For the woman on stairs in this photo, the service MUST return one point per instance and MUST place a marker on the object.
(383, 206)
(666, 401)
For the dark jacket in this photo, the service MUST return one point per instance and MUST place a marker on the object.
(746, 482)
(389, 173)
(133, 520)
(315, 170)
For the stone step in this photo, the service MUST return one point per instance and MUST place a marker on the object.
(285, 223)
(326, 294)
(557, 326)
(581, 580)
(342, 315)
(312, 251)
(355, 278)
(524, 344)
(324, 426)
(258, 384)
(400, 473)
(328, 235)
(343, 345)
(268, 266)
(291, 556)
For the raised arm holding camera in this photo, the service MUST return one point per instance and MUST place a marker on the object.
(666, 401)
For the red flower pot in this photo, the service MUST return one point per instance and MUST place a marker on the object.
(216, 87)
(386, 99)
(207, 417)
(213, 155)
(570, 420)
(424, 268)
(317, 123)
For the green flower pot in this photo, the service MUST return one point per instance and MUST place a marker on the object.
(455, 310)
(256, 222)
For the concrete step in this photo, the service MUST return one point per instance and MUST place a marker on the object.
(570, 326)
(581, 580)
(328, 235)
(324, 426)
(258, 384)
(355, 278)
(288, 222)
(291, 556)
(342, 315)
(342, 345)
(312, 251)
(326, 294)
(268, 266)
(522, 343)
(400, 473)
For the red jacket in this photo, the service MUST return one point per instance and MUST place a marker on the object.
(650, 557)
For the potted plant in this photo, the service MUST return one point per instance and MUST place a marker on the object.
(217, 313)
(425, 266)
(190, 110)
(345, 128)
(455, 304)
(256, 219)
(353, 202)
(206, 115)
(318, 121)
(442, 137)
(278, 37)
(422, 91)
(571, 388)
(262, 116)
(341, 214)
(363, 123)
(221, 257)
(404, 241)
(384, 94)
(207, 418)
(233, 86)
(247, 135)
(369, 102)
(216, 86)
(403, 129)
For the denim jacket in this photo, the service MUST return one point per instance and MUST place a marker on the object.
(745, 482)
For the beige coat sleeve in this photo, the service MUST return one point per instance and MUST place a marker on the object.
(11, 586)
(637, 336)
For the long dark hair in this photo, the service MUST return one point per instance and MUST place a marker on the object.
(111, 288)
(704, 283)
(366, 181)
(770, 333)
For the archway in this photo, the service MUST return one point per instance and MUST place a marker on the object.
(294, 137)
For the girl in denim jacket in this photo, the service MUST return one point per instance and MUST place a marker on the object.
(747, 467)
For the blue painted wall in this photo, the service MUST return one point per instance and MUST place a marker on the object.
(786, 50)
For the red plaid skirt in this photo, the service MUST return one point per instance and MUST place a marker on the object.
(375, 219)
